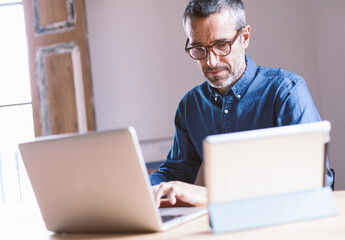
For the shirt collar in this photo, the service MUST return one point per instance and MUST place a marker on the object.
(241, 86)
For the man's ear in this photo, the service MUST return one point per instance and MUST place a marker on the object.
(246, 36)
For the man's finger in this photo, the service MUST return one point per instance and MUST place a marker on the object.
(161, 191)
(171, 194)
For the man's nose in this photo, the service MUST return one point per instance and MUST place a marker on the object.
(212, 59)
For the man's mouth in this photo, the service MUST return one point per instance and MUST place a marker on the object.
(217, 72)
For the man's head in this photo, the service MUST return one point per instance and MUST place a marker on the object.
(217, 38)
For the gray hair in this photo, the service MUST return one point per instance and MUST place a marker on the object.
(204, 8)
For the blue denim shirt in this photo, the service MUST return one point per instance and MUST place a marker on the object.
(261, 98)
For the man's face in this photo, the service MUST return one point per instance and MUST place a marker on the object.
(220, 72)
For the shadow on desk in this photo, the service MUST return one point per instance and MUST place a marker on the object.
(89, 236)
(82, 236)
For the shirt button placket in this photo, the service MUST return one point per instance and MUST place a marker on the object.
(227, 102)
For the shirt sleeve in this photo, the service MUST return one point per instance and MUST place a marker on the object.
(296, 106)
(182, 162)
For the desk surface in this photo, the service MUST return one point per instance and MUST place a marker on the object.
(326, 228)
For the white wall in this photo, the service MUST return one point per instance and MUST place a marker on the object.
(140, 71)
(139, 67)
(329, 35)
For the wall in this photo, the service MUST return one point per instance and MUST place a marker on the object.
(140, 71)
(329, 35)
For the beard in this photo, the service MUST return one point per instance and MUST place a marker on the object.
(233, 74)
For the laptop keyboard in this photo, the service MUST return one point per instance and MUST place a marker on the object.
(169, 217)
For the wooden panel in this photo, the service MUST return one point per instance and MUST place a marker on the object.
(53, 15)
(55, 71)
(61, 94)
(52, 11)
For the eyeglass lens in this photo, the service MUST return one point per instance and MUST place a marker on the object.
(220, 49)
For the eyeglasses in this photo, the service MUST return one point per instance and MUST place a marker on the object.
(219, 48)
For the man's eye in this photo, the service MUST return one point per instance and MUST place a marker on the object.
(221, 46)
(199, 49)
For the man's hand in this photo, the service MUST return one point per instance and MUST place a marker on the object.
(185, 192)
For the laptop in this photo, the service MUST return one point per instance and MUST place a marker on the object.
(96, 182)
(265, 162)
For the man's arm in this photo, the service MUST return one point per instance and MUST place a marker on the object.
(183, 161)
(295, 104)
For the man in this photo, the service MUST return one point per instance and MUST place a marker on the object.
(238, 95)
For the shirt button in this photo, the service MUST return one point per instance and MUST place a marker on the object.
(226, 111)
(239, 96)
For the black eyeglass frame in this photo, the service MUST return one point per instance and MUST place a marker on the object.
(230, 43)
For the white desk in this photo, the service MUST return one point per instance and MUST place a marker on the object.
(328, 228)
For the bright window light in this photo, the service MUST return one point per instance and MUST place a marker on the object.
(16, 120)
(9, 1)
(14, 73)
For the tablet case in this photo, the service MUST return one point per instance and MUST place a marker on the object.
(271, 210)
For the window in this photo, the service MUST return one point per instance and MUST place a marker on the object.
(15, 104)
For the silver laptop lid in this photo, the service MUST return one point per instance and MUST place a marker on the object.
(265, 162)
(95, 182)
